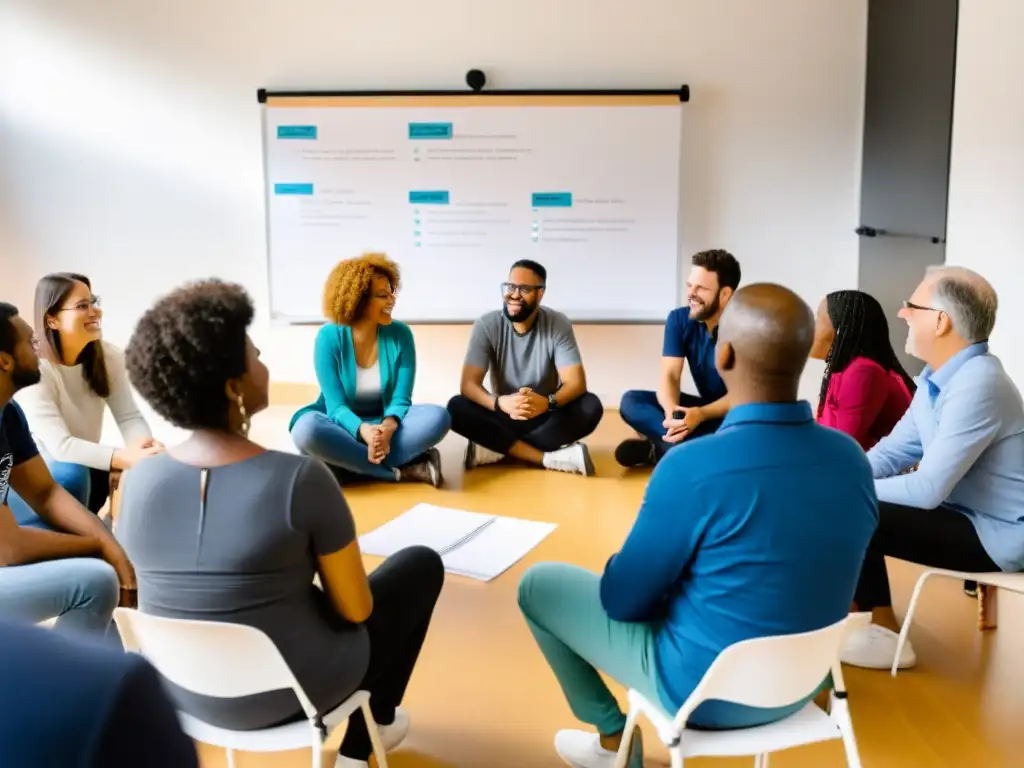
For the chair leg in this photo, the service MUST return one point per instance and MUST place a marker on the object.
(987, 607)
(231, 758)
(908, 620)
(761, 760)
(676, 757)
(622, 757)
(375, 742)
(841, 715)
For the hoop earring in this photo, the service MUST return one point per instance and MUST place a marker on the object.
(243, 429)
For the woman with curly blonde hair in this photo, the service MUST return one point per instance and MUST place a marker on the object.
(364, 422)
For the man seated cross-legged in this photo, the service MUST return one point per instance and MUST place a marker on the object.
(666, 417)
(757, 530)
(538, 408)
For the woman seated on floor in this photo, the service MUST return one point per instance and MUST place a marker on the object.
(221, 529)
(81, 376)
(364, 422)
(865, 390)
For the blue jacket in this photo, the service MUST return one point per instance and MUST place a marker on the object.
(335, 362)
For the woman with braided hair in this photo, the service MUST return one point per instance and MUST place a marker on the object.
(864, 390)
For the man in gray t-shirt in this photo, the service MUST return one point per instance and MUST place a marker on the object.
(538, 408)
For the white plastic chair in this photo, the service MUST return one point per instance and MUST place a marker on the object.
(763, 672)
(1014, 582)
(228, 660)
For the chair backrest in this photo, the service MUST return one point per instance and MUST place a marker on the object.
(210, 658)
(769, 672)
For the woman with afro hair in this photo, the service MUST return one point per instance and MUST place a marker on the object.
(221, 529)
(864, 390)
(364, 422)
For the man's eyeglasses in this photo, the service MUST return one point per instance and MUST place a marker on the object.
(526, 291)
(912, 305)
(82, 306)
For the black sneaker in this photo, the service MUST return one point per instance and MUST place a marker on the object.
(636, 452)
(426, 469)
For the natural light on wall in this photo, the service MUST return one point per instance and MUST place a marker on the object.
(116, 107)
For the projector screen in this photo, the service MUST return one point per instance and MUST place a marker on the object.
(455, 188)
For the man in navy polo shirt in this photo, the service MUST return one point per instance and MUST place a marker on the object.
(669, 416)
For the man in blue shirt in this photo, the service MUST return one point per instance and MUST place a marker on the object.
(757, 530)
(72, 568)
(70, 703)
(667, 417)
(963, 507)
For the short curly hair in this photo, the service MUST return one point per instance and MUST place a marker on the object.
(186, 347)
(722, 263)
(347, 291)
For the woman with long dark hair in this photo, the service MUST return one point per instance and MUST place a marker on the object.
(865, 390)
(82, 375)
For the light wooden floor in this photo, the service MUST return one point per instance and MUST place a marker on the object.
(483, 697)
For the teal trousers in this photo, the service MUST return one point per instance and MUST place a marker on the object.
(562, 606)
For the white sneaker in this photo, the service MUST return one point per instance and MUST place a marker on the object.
(581, 749)
(394, 733)
(573, 458)
(478, 456)
(874, 647)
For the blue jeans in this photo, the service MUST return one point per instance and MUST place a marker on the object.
(89, 486)
(423, 427)
(82, 591)
(642, 411)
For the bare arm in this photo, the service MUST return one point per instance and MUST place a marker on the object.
(472, 387)
(21, 546)
(574, 383)
(716, 410)
(33, 482)
(670, 384)
(344, 580)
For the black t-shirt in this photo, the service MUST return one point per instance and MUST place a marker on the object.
(16, 444)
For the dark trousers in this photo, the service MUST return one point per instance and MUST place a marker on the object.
(405, 588)
(497, 431)
(99, 489)
(936, 538)
(641, 410)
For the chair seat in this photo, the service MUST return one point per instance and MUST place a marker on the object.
(279, 739)
(806, 726)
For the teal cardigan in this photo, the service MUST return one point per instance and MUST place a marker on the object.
(334, 360)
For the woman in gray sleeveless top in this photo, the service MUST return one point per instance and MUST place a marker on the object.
(221, 529)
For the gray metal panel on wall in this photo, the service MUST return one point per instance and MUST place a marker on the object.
(908, 116)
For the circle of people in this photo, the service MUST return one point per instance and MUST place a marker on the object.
(761, 517)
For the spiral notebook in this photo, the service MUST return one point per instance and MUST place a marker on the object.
(471, 544)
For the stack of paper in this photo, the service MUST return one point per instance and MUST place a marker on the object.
(470, 544)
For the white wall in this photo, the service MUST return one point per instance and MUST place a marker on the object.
(130, 136)
(986, 186)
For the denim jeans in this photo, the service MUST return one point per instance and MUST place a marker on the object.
(89, 486)
(80, 592)
(423, 427)
(642, 411)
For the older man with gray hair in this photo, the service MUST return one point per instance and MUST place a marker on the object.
(963, 507)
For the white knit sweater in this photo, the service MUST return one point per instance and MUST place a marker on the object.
(66, 417)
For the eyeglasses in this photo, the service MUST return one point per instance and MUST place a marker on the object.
(83, 306)
(508, 289)
(912, 305)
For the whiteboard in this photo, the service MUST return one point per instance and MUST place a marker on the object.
(457, 188)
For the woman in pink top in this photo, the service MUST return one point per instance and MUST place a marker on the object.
(865, 389)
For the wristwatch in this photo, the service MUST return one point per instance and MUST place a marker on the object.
(552, 402)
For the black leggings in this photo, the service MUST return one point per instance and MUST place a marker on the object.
(936, 538)
(405, 588)
(497, 431)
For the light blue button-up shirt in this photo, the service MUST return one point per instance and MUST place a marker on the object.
(965, 428)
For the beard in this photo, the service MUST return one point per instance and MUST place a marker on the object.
(704, 311)
(522, 314)
(25, 377)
